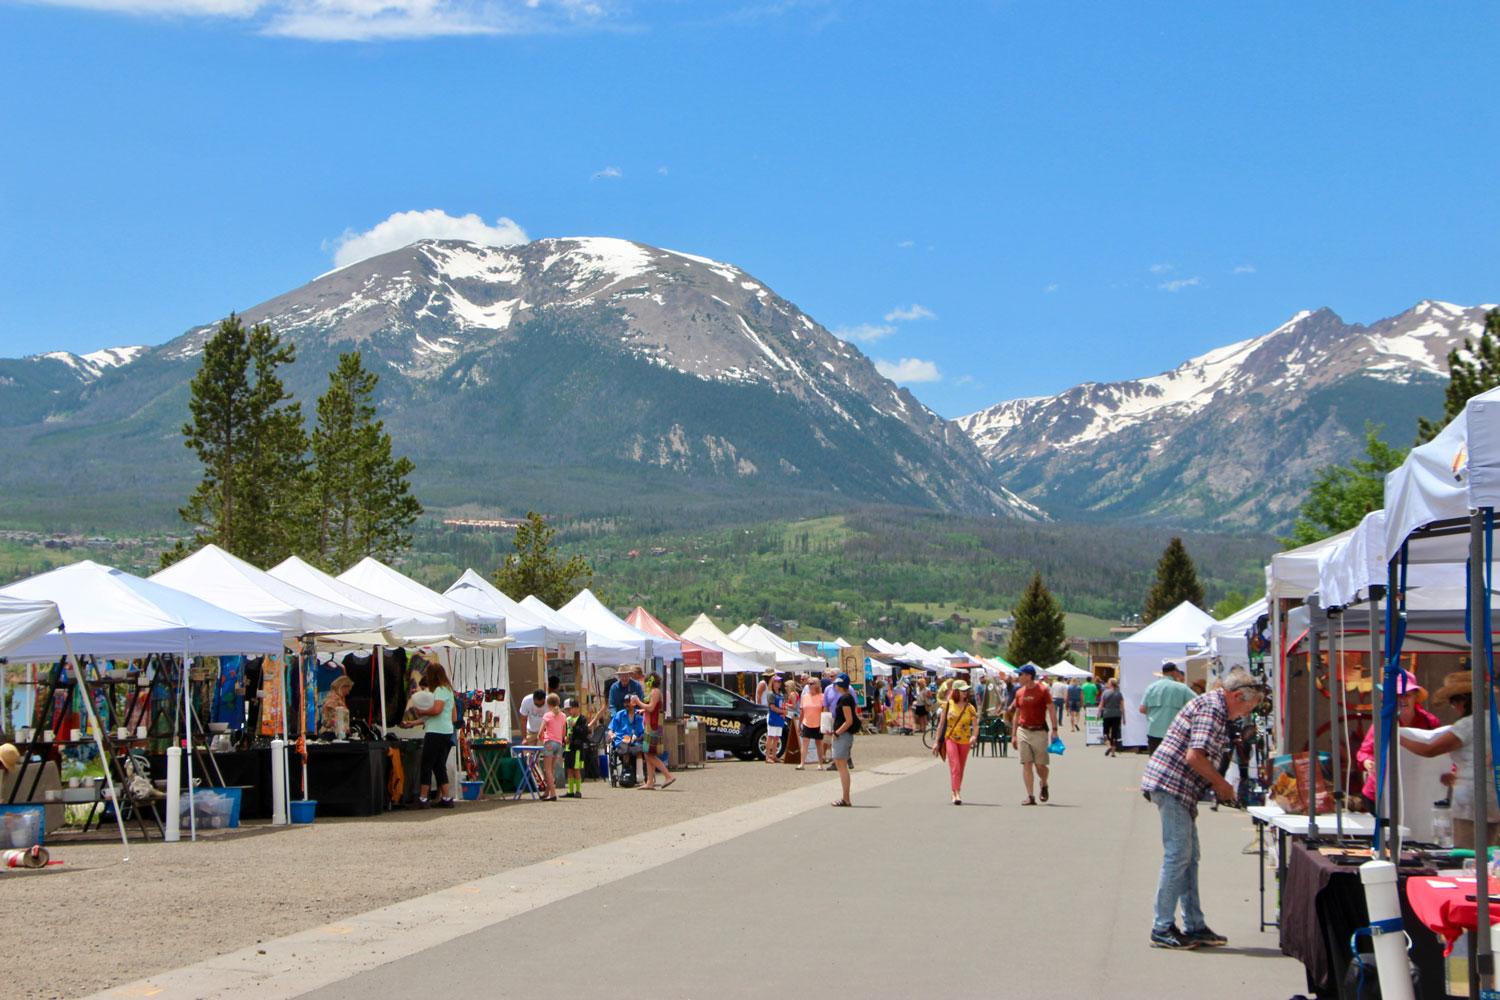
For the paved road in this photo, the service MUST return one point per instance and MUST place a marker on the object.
(902, 896)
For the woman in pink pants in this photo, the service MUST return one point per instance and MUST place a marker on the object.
(959, 726)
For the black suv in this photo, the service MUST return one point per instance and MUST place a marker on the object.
(733, 723)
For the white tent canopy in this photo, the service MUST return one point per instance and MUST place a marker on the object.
(22, 621)
(401, 626)
(1170, 637)
(1226, 639)
(602, 650)
(1443, 480)
(704, 630)
(787, 656)
(233, 584)
(1066, 671)
(463, 622)
(529, 630)
(588, 611)
(112, 613)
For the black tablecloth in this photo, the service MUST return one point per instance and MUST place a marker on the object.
(346, 779)
(1322, 904)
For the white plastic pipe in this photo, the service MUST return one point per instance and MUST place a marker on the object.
(1383, 903)
(174, 792)
(278, 782)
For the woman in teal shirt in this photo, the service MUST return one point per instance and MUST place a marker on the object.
(437, 736)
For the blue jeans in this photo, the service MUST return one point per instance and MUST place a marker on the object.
(1179, 866)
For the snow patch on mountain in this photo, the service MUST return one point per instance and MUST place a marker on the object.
(91, 366)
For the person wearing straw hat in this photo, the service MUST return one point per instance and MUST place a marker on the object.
(958, 728)
(10, 758)
(1409, 715)
(1457, 742)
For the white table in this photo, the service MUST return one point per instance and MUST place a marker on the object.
(1351, 824)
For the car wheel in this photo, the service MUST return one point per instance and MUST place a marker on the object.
(760, 744)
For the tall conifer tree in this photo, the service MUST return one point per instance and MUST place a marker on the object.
(249, 438)
(536, 568)
(1040, 635)
(362, 493)
(1176, 581)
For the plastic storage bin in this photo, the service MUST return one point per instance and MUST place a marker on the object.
(22, 825)
(304, 810)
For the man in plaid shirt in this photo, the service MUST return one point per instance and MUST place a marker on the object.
(1181, 770)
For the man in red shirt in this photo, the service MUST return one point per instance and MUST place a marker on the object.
(1035, 729)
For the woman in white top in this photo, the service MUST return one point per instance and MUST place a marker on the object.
(1457, 742)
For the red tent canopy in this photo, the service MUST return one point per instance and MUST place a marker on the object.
(693, 655)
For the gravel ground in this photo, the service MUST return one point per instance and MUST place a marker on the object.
(96, 921)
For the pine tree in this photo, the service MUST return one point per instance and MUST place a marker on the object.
(249, 438)
(1471, 370)
(364, 504)
(1176, 581)
(536, 568)
(1040, 634)
(1341, 495)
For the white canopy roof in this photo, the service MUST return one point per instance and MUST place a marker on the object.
(1065, 670)
(588, 611)
(464, 622)
(1184, 624)
(530, 629)
(786, 655)
(883, 647)
(22, 621)
(402, 626)
(1141, 656)
(235, 585)
(1228, 636)
(1294, 573)
(112, 613)
(601, 649)
(1454, 473)
(704, 630)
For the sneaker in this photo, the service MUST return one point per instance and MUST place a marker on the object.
(1172, 938)
(443, 804)
(1205, 938)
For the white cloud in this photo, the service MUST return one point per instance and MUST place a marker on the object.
(907, 244)
(1178, 284)
(404, 228)
(607, 174)
(1052, 287)
(864, 333)
(373, 20)
(909, 371)
(1244, 269)
(1162, 268)
(908, 314)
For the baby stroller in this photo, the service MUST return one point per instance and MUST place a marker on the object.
(622, 765)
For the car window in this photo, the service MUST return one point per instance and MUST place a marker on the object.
(707, 694)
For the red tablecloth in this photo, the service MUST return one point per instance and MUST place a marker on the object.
(1440, 904)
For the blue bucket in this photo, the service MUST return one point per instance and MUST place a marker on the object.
(472, 790)
(303, 811)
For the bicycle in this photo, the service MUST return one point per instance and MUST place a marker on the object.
(929, 734)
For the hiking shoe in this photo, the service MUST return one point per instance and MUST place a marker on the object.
(1172, 938)
(1205, 938)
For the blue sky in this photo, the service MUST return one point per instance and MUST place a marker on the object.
(1002, 199)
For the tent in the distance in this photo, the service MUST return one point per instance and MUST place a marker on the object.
(602, 650)
(1170, 637)
(590, 612)
(703, 629)
(400, 625)
(528, 626)
(694, 654)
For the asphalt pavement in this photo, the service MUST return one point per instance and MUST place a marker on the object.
(903, 895)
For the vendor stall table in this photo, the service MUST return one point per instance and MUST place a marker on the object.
(1323, 903)
(1439, 904)
(346, 779)
(500, 772)
(1361, 825)
(527, 758)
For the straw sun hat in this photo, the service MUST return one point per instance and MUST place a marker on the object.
(1458, 682)
(10, 757)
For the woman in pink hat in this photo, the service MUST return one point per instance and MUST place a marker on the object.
(1410, 714)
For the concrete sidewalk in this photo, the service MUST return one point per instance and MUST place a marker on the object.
(904, 895)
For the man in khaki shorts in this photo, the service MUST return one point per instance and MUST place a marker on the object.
(1035, 729)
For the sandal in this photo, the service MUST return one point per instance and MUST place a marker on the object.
(1030, 801)
(841, 803)
(668, 783)
(1044, 793)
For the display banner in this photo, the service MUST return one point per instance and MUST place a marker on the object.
(1093, 727)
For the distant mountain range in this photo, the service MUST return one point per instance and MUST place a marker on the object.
(1229, 439)
(578, 375)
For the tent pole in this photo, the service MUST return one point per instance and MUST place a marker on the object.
(1393, 761)
(187, 728)
(1335, 724)
(380, 673)
(1313, 653)
(1377, 675)
(1484, 959)
(94, 724)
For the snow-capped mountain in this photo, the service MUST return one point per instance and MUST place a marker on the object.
(89, 367)
(594, 364)
(1230, 438)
